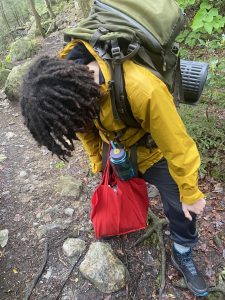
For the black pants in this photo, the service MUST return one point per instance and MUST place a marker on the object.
(182, 230)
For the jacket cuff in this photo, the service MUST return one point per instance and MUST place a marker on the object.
(96, 167)
(188, 197)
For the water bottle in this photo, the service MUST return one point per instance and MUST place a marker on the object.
(120, 163)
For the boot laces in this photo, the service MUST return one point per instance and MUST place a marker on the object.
(186, 260)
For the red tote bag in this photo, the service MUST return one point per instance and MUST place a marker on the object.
(119, 207)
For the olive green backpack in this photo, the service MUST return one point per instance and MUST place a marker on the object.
(143, 31)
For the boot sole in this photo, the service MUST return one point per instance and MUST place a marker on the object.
(187, 284)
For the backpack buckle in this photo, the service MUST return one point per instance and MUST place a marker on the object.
(132, 47)
(116, 52)
(103, 30)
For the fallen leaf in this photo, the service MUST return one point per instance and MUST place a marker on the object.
(120, 252)
(15, 271)
(172, 296)
(218, 188)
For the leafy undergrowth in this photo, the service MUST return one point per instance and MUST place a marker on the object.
(206, 121)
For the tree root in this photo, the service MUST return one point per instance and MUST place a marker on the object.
(220, 288)
(29, 290)
(156, 225)
(67, 278)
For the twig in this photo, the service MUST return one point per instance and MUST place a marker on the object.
(157, 225)
(29, 290)
(61, 260)
(49, 28)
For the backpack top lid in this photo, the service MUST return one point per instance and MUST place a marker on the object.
(162, 18)
(154, 23)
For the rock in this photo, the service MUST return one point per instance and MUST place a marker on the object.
(4, 73)
(152, 191)
(10, 135)
(48, 273)
(38, 215)
(69, 211)
(22, 49)
(52, 210)
(4, 236)
(218, 188)
(35, 224)
(104, 270)
(69, 186)
(41, 231)
(23, 174)
(44, 229)
(74, 247)
(14, 80)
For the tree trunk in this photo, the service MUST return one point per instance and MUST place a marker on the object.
(37, 17)
(4, 16)
(15, 14)
(49, 8)
(85, 6)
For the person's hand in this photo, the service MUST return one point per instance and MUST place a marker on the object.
(196, 208)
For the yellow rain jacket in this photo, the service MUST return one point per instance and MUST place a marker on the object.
(152, 105)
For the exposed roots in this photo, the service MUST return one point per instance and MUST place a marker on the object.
(220, 288)
(29, 290)
(156, 225)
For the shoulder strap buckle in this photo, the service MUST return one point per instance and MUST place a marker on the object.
(132, 47)
(103, 30)
(116, 53)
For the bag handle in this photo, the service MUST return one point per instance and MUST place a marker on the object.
(106, 173)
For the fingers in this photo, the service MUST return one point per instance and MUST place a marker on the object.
(187, 214)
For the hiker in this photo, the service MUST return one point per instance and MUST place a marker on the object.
(66, 99)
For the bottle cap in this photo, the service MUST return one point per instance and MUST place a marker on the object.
(117, 154)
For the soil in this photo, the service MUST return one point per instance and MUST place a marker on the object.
(29, 198)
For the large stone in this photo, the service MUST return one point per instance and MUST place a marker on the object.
(4, 73)
(22, 49)
(14, 80)
(104, 270)
(69, 186)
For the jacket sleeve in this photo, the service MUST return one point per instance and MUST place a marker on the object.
(159, 116)
(92, 144)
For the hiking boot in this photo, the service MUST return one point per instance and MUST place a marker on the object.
(193, 278)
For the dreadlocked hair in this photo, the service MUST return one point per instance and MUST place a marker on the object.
(58, 98)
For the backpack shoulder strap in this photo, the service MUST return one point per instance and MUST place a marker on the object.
(120, 104)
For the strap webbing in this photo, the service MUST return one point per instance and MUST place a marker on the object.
(105, 154)
(148, 62)
(178, 92)
(120, 104)
(133, 159)
(98, 33)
